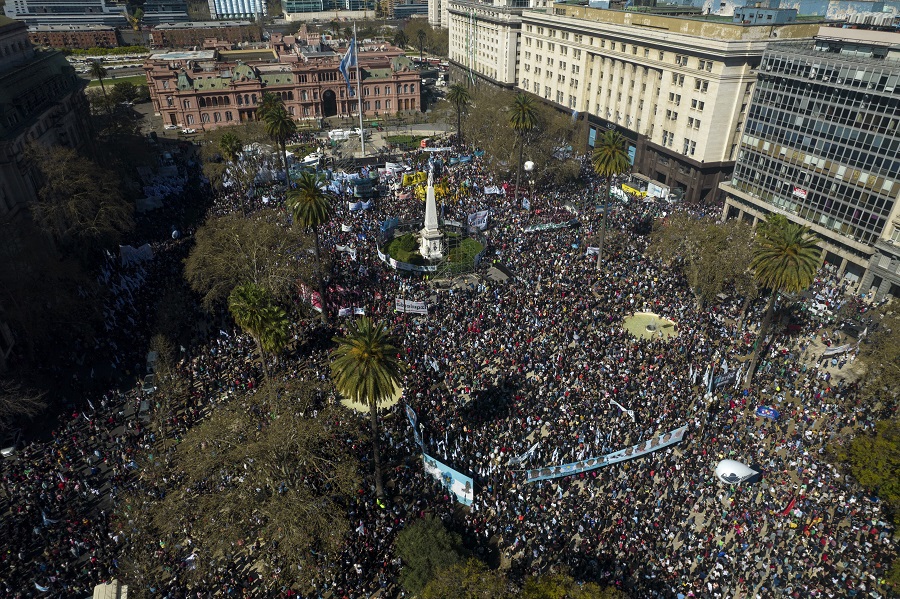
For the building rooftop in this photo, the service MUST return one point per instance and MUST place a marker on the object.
(185, 55)
(251, 55)
(52, 28)
(202, 24)
(699, 25)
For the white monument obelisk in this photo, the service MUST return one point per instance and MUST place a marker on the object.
(431, 244)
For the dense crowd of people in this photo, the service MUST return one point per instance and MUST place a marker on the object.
(541, 362)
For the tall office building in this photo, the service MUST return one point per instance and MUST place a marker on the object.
(821, 147)
(91, 12)
(675, 82)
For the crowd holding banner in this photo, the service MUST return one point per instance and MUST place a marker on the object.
(641, 449)
(410, 306)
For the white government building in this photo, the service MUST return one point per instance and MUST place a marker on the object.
(676, 85)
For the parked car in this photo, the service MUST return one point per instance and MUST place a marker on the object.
(188, 131)
(10, 443)
(171, 127)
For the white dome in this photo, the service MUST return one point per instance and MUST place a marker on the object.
(733, 472)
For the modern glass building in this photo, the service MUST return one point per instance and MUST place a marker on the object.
(820, 145)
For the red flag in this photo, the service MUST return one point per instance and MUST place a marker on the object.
(789, 507)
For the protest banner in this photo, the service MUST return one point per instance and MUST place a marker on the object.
(462, 486)
(410, 307)
(479, 220)
(639, 450)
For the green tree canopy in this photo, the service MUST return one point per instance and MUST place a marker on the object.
(711, 255)
(563, 586)
(881, 356)
(470, 579)
(80, 204)
(426, 548)
(875, 463)
(366, 369)
(232, 249)
(255, 468)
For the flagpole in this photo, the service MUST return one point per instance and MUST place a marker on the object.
(362, 131)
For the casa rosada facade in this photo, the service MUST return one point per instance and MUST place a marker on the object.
(212, 88)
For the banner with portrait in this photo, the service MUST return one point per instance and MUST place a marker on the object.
(479, 220)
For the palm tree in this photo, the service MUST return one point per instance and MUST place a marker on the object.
(268, 103)
(458, 95)
(785, 259)
(280, 127)
(421, 36)
(98, 71)
(231, 146)
(401, 39)
(609, 159)
(312, 208)
(366, 369)
(523, 118)
(252, 308)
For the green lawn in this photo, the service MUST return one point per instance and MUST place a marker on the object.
(405, 141)
(110, 81)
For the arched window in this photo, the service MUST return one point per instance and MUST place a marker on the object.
(190, 119)
(254, 98)
(240, 100)
(226, 100)
(217, 117)
(387, 90)
(247, 99)
(290, 95)
(412, 88)
(387, 104)
(228, 116)
(303, 95)
(398, 88)
(405, 89)
(204, 118)
(201, 102)
(291, 110)
(377, 104)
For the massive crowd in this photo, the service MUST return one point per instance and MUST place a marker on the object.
(496, 368)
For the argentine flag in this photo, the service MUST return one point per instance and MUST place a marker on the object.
(349, 60)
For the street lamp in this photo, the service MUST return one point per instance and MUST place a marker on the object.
(529, 168)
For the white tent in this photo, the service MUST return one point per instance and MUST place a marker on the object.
(733, 472)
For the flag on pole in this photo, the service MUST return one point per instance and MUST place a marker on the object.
(349, 60)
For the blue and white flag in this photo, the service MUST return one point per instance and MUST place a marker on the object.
(767, 412)
(349, 60)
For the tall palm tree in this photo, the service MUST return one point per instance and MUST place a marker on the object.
(458, 95)
(280, 127)
(785, 259)
(267, 104)
(421, 36)
(312, 208)
(610, 158)
(523, 117)
(253, 310)
(98, 72)
(401, 39)
(366, 369)
(230, 146)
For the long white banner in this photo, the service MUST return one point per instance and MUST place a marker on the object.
(479, 219)
(641, 449)
(410, 307)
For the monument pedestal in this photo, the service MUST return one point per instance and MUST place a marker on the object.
(431, 239)
(431, 244)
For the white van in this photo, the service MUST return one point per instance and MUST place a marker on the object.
(339, 134)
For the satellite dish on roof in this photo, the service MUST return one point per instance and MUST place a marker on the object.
(733, 472)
